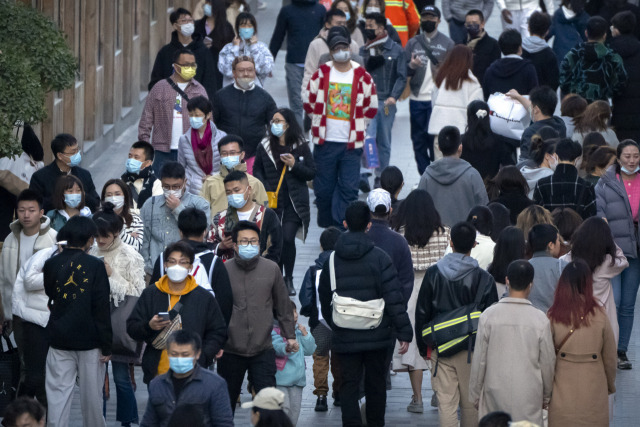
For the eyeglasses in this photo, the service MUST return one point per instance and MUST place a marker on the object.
(245, 242)
(192, 64)
(172, 187)
(74, 152)
(277, 121)
(229, 153)
(171, 262)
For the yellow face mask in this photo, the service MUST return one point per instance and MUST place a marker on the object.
(187, 73)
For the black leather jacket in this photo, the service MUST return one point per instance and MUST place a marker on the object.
(440, 295)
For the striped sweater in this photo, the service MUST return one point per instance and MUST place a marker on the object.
(364, 104)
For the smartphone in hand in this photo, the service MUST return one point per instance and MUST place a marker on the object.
(164, 315)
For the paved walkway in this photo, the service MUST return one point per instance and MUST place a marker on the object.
(111, 164)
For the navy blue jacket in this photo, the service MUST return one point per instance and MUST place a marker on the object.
(567, 33)
(204, 389)
(307, 297)
(510, 73)
(300, 21)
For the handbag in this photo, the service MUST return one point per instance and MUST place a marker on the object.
(160, 342)
(272, 196)
(350, 313)
(451, 332)
(122, 343)
(9, 374)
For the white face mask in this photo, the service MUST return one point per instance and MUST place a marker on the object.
(187, 29)
(177, 273)
(175, 193)
(118, 201)
(372, 9)
(553, 163)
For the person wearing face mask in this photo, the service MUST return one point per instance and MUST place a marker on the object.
(67, 156)
(545, 161)
(618, 203)
(185, 37)
(243, 108)
(259, 295)
(285, 164)
(187, 383)
(68, 201)
(246, 44)
(115, 191)
(231, 149)
(568, 27)
(242, 208)
(79, 328)
(164, 115)
(351, 13)
(456, 12)
(385, 60)
(125, 268)
(375, 6)
(139, 176)
(485, 48)
(198, 149)
(176, 294)
(160, 213)
(341, 99)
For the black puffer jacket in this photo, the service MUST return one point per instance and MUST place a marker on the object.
(452, 283)
(365, 273)
(268, 170)
(200, 314)
(626, 105)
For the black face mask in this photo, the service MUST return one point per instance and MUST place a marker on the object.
(473, 30)
(428, 26)
(370, 34)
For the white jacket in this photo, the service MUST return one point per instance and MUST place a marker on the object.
(526, 4)
(29, 301)
(10, 258)
(450, 106)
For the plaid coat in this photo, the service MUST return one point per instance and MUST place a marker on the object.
(364, 104)
(565, 189)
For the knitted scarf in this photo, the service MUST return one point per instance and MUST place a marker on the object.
(202, 149)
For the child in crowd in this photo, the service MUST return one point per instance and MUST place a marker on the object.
(291, 374)
(392, 180)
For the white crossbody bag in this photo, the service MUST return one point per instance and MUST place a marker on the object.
(350, 313)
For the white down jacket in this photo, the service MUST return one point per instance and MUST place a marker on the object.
(29, 300)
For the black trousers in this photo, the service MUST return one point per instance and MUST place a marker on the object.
(375, 369)
(261, 367)
(36, 347)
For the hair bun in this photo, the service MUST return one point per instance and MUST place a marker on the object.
(108, 207)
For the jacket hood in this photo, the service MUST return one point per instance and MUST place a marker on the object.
(455, 266)
(199, 246)
(447, 170)
(533, 44)
(322, 258)
(625, 46)
(196, 41)
(534, 173)
(353, 245)
(507, 67)
(45, 224)
(593, 52)
(163, 285)
(562, 18)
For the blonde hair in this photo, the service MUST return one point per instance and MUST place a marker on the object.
(533, 215)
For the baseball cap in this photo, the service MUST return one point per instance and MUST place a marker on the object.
(269, 398)
(431, 10)
(379, 197)
(338, 35)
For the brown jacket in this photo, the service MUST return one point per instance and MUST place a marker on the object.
(585, 374)
(258, 291)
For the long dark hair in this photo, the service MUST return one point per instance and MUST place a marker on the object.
(353, 19)
(455, 68)
(222, 32)
(419, 217)
(272, 418)
(292, 136)
(574, 300)
(592, 242)
(478, 128)
(482, 219)
(509, 247)
(126, 209)
(510, 180)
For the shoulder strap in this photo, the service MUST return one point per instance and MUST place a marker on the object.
(427, 51)
(177, 89)
(284, 170)
(161, 264)
(479, 292)
(332, 271)
(563, 342)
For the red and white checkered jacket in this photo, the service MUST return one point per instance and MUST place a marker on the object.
(363, 110)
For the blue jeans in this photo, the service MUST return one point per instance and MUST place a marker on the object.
(336, 182)
(420, 112)
(160, 158)
(294, 77)
(457, 31)
(380, 129)
(127, 407)
(625, 289)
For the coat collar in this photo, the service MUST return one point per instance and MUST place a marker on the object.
(511, 300)
(45, 225)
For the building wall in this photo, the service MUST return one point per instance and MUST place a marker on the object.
(116, 42)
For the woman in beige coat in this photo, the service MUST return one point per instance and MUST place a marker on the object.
(586, 352)
(418, 220)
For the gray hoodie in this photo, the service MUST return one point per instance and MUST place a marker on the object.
(534, 44)
(533, 175)
(455, 187)
(455, 266)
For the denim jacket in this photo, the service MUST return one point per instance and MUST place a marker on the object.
(390, 78)
(161, 225)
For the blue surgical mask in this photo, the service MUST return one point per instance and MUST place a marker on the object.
(230, 162)
(75, 160)
(248, 251)
(236, 200)
(133, 166)
(207, 9)
(181, 365)
(72, 200)
(196, 122)
(277, 129)
(348, 15)
(628, 172)
(245, 33)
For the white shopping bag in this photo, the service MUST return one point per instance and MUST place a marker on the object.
(508, 117)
